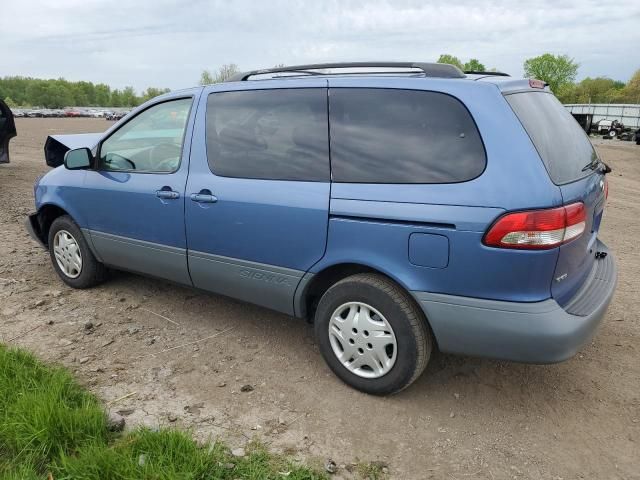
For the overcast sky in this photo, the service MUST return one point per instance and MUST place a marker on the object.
(167, 43)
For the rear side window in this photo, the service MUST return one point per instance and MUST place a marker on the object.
(562, 144)
(269, 134)
(402, 136)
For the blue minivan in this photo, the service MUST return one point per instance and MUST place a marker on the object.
(399, 207)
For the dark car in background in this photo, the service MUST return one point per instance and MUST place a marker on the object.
(7, 131)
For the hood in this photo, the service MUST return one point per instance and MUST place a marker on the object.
(57, 145)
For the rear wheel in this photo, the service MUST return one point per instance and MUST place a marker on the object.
(372, 334)
(71, 257)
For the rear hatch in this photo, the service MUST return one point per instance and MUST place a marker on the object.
(573, 165)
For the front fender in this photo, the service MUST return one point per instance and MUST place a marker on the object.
(62, 188)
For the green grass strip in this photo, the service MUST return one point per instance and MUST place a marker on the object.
(50, 427)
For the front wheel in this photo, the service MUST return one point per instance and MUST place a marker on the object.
(71, 257)
(372, 334)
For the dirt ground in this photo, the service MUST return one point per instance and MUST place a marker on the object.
(464, 418)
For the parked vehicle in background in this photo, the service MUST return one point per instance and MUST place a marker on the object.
(7, 131)
(95, 113)
(412, 228)
(34, 113)
(610, 128)
(115, 116)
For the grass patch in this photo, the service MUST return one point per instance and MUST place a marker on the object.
(44, 414)
(49, 425)
(172, 454)
(372, 470)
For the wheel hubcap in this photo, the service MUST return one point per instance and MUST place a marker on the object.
(67, 253)
(363, 340)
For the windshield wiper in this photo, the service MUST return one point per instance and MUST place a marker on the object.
(592, 165)
(597, 164)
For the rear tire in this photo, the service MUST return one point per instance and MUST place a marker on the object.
(71, 257)
(372, 334)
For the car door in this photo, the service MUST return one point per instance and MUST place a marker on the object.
(7, 131)
(258, 190)
(136, 191)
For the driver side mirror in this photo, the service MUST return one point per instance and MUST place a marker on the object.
(78, 159)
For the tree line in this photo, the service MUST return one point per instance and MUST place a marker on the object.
(560, 72)
(60, 93)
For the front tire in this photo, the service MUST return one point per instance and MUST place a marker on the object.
(71, 257)
(372, 334)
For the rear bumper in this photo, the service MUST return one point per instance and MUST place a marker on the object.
(539, 332)
(33, 227)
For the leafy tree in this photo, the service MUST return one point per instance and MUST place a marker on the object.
(631, 91)
(152, 92)
(129, 98)
(116, 98)
(474, 65)
(451, 60)
(557, 70)
(597, 90)
(102, 95)
(10, 102)
(224, 72)
(206, 78)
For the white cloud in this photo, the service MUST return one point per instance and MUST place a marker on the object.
(168, 42)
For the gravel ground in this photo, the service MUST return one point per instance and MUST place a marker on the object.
(464, 418)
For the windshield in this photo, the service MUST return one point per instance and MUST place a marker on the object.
(562, 144)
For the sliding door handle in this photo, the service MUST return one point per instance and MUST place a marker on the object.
(204, 196)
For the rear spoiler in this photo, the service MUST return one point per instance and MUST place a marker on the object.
(57, 145)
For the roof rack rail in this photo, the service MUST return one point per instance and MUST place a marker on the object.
(441, 70)
(497, 74)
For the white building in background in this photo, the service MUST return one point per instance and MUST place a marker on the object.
(627, 113)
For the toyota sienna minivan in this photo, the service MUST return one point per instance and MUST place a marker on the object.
(399, 207)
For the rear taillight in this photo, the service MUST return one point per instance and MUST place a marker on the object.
(538, 229)
(606, 189)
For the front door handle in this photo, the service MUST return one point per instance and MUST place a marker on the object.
(204, 196)
(167, 193)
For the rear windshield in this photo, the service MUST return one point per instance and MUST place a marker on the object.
(561, 142)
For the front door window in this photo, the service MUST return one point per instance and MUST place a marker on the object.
(149, 143)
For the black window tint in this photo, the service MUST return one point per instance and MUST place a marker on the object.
(402, 136)
(562, 144)
(269, 134)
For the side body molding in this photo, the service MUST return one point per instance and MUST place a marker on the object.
(265, 285)
(139, 256)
